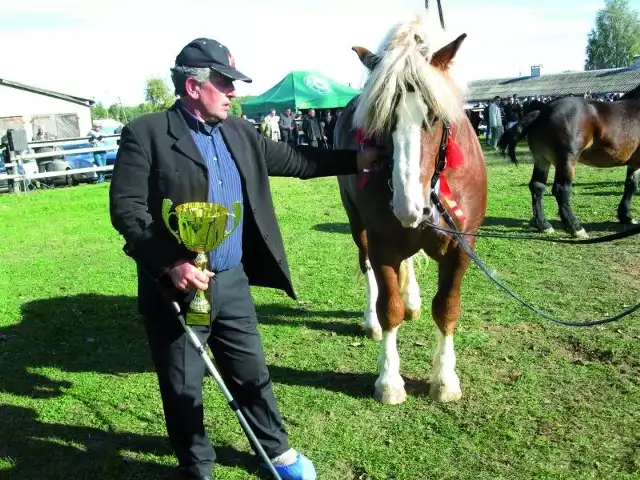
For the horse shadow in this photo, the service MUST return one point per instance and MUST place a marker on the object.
(355, 385)
(281, 315)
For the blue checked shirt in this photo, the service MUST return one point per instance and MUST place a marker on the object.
(225, 187)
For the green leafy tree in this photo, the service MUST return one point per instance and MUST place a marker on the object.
(236, 108)
(115, 111)
(99, 111)
(158, 94)
(615, 39)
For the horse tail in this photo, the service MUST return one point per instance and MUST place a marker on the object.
(512, 136)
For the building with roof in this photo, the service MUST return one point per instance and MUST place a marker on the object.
(611, 80)
(26, 106)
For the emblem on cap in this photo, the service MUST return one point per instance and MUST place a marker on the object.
(232, 61)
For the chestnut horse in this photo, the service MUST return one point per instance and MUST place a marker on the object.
(406, 106)
(573, 130)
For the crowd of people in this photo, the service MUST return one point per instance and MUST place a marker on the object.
(504, 112)
(297, 128)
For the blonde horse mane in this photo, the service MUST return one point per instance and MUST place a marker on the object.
(404, 57)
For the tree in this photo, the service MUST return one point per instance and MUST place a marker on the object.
(615, 39)
(115, 111)
(158, 94)
(98, 111)
(236, 108)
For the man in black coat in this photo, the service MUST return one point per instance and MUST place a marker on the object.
(196, 152)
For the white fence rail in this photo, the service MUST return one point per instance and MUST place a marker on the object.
(62, 173)
(17, 160)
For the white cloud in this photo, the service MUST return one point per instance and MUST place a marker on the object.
(109, 52)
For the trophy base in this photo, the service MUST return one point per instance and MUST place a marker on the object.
(195, 319)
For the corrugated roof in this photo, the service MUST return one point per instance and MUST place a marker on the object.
(49, 93)
(567, 83)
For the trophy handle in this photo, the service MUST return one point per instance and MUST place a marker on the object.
(237, 216)
(167, 214)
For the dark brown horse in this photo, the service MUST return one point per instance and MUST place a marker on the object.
(409, 98)
(574, 130)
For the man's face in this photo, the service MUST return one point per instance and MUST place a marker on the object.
(312, 113)
(213, 97)
(287, 112)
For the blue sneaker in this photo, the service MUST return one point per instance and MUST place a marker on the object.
(301, 469)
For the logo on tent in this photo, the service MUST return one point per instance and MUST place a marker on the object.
(318, 85)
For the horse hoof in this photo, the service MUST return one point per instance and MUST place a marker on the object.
(633, 221)
(549, 230)
(374, 333)
(439, 393)
(410, 314)
(582, 234)
(390, 396)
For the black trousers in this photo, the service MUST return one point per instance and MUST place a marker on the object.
(235, 342)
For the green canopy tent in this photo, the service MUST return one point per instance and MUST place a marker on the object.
(301, 90)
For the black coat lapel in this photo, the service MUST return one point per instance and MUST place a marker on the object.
(236, 148)
(184, 142)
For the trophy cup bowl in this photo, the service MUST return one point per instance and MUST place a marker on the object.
(201, 229)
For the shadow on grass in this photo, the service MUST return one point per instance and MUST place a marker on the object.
(333, 227)
(82, 333)
(357, 385)
(274, 314)
(518, 225)
(101, 334)
(105, 334)
(38, 449)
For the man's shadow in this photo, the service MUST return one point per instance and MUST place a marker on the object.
(37, 449)
(83, 333)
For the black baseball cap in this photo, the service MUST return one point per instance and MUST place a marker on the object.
(208, 53)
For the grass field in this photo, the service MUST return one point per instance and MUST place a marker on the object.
(79, 399)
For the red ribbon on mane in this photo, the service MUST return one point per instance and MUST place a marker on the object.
(453, 159)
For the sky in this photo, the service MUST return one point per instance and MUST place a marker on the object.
(108, 53)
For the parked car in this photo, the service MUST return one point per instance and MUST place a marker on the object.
(67, 160)
(84, 160)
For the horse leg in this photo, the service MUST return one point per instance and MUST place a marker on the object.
(630, 187)
(565, 169)
(389, 387)
(537, 186)
(444, 385)
(371, 324)
(359, 234)
(409, 290)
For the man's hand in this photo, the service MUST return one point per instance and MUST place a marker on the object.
(185, 276)
(372, 158)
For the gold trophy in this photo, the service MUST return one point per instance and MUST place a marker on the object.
(201, 228)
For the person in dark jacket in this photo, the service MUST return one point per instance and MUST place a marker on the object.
(196, 152)
(286, 124)
(311, 129)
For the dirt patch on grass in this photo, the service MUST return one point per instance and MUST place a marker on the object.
(578, 351)
(624, 269)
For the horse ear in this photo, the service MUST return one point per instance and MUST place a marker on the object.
(368, 59)
(442, 58)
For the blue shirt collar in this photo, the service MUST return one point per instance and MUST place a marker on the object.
(194, 123)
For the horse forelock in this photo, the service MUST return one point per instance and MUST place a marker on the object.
(404, 64)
